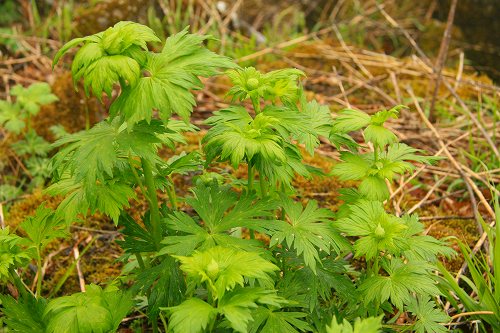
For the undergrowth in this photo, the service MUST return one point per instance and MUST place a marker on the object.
(302, 267)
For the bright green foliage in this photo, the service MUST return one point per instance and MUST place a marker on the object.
(30, 99)
(429, 318)
(248, 83)
(95, 310)
(309, 231)
(44, 227)
(192, 316)
(12, 253)
(195, 315)
(368, 325)
(25, 314)
(378, 231)
(88, 168)
(352, 120)
(269, 140)
(220, 210)
(373, 172)
(240, 137)
(109, 57)
(402, 280)
(222, 268)
(171, 75)
(187, 257)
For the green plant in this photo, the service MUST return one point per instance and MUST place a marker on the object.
(16, 118)
(192, 267)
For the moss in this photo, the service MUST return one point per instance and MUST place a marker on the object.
(70, 111)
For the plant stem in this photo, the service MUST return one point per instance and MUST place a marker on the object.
(263, 186)
(256, 105)
(39, 273)
(375, 153)
(153, 205)
(250, 177)
(172, 197)
(140, 261)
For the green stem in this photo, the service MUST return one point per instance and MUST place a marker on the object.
(250, 177)
(375, 153)
(137, 178)
(140, 261)
(39, 273)
(172, 196)
(263, 185)
(256, 105)
(375, 267)
(153, 206)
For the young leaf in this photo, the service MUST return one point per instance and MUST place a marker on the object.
(378, 231)
(224, 268)
(112, 56)
(171, 75)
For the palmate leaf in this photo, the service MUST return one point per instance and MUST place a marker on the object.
(269, 321)
(224, 268)
(220, 210)
(402, 281)
(92, 311)
(32, 144)
(191, 316)
(11, 117)
(373, 174)
(25, 314)
(236, 307)
(171, 75)
(44, 227)
(423, 247)
(87, 169)
(350, 120)
(33, 97)
(164, 284)
(366, 325)
(309, 231)
(378, 231)
(429, 318)
(12, 253)
(308, 289)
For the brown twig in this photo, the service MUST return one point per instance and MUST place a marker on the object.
(443, 51)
